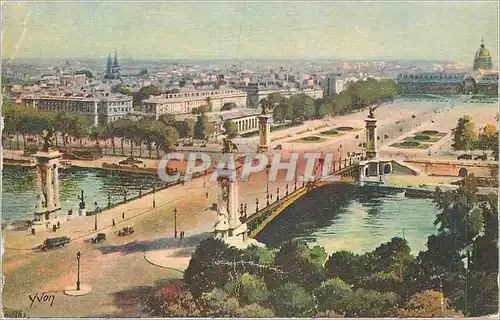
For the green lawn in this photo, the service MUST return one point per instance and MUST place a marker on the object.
(310, 139)
(331, 133)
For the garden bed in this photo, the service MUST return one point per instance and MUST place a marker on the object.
(310, 139)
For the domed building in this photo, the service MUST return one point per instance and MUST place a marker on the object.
(482, 60)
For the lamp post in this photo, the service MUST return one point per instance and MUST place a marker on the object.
(287, 189)
(175, 222)
(154, 195)
(95, 215)
(140, 191)
(78, 255)
(109, 199)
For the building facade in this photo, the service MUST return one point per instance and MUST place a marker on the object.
(333, 85)
(185, 102)
(255, 93)
(100, 108)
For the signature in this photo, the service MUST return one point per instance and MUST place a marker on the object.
(44, 297)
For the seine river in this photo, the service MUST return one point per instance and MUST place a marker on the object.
(337, 217)
(347, 217)
(19, 196)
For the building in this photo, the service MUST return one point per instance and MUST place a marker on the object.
(99, 107)
(246, 120)
(185, 102)
(333, 85)
(113, 67)
(482, 59)
(256, 92)
(478, 80)
(435, 82)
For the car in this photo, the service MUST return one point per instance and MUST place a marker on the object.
(357, 136)
(98, 238)
(278, 147)
(481, 157)
(464, 157)
(51, 243)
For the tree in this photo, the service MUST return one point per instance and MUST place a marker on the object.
(428, 304)
(255, 311)
(275, 98)
(230, 129)
(217, 303)
(259, 255)
(228, 106)
(302, 106)
(120, 88)
(488, 139)
(170, 137)
(391, 257)
(87, 73)
(292, 300)
(345, 265)
(301, 264)
(369, 303)
(283, 111)
(252, 289)
(464, 134)
(207, 270)
(331, 295)
(203, 129)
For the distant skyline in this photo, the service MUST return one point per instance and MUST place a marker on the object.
(242, 30)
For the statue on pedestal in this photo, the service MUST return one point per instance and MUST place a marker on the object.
(48, 140)
(371, 114)
(228, 146)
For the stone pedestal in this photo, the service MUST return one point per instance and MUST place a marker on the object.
(228, 224)
(264, 132)
(371, 138)
(47, 181)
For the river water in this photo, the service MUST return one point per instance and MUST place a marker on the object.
(348, 217)
(337, 217)
(19, 185)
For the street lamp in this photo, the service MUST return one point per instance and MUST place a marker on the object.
(154, 195)
(95, 215)
(175, 222)
(287, 189)
(109, 199)
(78, 255)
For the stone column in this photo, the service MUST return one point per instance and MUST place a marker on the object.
(39, 187)
(96, 114)
(50, 190)
(56, 186)
(264, 132)
(371, 138)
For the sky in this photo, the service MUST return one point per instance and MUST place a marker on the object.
(193, 30)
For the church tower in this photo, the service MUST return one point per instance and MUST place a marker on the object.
(109, 68)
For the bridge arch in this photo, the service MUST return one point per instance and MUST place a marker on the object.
(387, 168)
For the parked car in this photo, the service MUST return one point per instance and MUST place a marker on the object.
(464, 157)
(278, 147)
(51, 243)
(125, 231)
(98, 238)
